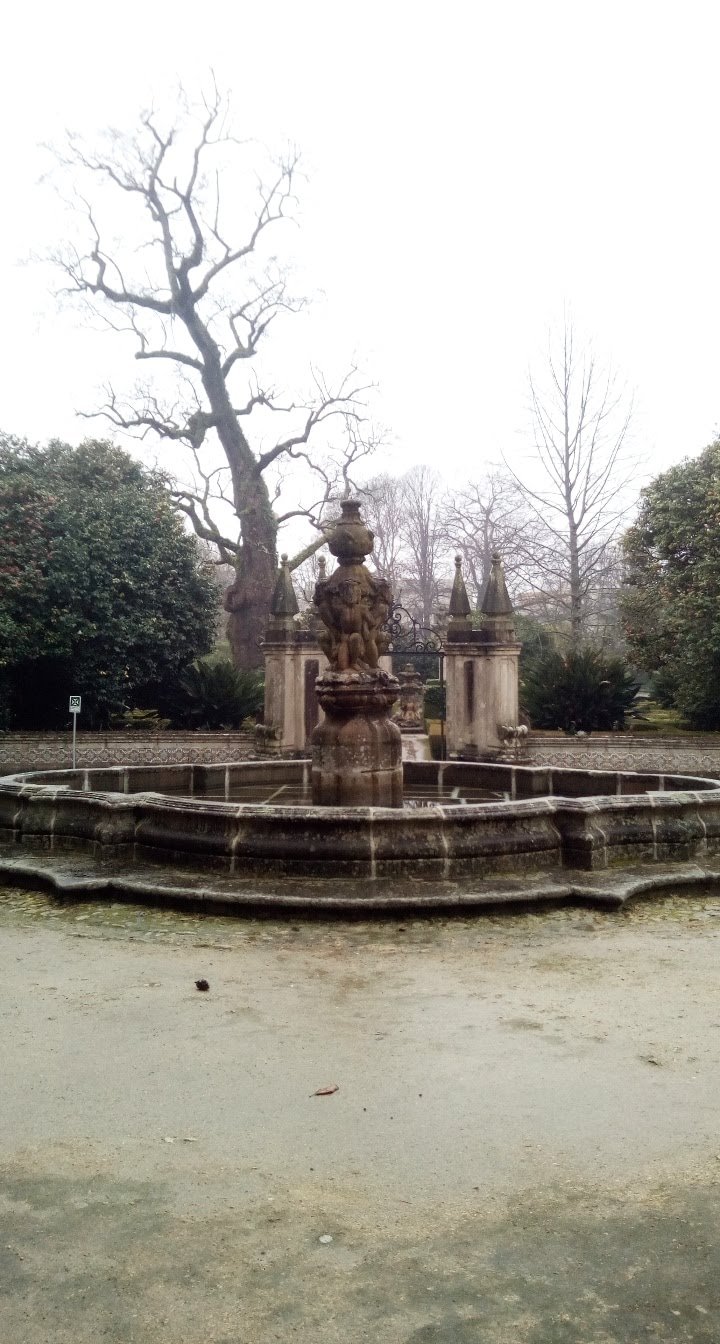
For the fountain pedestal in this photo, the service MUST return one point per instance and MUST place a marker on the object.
(357, 750)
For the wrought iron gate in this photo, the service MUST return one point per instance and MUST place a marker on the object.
(418, 644)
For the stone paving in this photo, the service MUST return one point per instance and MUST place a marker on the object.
(522, 1147)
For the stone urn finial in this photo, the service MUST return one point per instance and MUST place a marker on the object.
(350, 540)
(409, 715)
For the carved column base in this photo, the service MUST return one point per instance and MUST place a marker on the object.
(357, 751)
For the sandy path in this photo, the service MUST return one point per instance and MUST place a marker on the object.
(524, 1145)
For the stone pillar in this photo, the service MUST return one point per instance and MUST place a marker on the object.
(481, 670)
(293, 662)
(356, 751)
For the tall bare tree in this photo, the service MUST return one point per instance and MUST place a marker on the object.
(577, 485)
(192, 280)
(423, 537)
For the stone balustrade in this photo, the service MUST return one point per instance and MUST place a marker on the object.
(53, 751)
(693, 754)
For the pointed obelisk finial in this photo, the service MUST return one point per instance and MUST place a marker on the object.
(496, 601)
(459, 609)
(284, 604)
(497, 609)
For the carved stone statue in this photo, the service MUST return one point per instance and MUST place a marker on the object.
(353, 604)
(356, 750)
(409, 716)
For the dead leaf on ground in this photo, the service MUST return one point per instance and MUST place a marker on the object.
(326, 1091)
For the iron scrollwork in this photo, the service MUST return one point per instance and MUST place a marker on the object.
(407, 636)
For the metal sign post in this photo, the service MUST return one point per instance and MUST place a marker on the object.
(75, 705)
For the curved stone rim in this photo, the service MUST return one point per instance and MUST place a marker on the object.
(177, 891)
(531, 848)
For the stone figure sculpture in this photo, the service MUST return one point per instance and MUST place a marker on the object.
(409, 715)
(353, 604)
(356, 750)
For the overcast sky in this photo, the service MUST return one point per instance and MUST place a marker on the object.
(473, 168)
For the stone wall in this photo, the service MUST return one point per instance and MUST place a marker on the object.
(697, 754)
(693, 755)
(53, 751)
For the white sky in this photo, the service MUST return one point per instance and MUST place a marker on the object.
(473, 169)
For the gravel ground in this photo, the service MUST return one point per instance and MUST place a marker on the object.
(523, 1147)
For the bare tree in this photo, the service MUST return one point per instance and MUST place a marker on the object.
(423, 538)
(197, 289)
(491, 515)
(603, 619)
(334, 475)
(305, 577)
(580, 420)
(383, 507)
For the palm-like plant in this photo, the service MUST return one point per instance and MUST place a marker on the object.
(583, 691)
(219, 695)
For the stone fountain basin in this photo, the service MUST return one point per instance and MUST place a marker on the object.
(152, 832)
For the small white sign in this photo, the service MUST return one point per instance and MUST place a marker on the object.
(75, 702)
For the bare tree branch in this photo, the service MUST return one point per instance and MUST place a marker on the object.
(188, 279)
(341, 402)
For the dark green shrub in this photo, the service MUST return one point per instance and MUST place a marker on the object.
(578, 693)
(434, 703)
(102, 590)
(671, 592)
(214, 694)
(38, 691)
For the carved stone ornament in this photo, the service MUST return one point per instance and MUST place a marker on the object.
(356, 750)
(352, 604)
(409, 716)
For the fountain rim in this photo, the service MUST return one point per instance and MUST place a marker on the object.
(230, 856)
(553, 847)
(51, 782)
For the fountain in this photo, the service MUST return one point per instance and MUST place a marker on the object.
(334, 833)
(410, 716)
